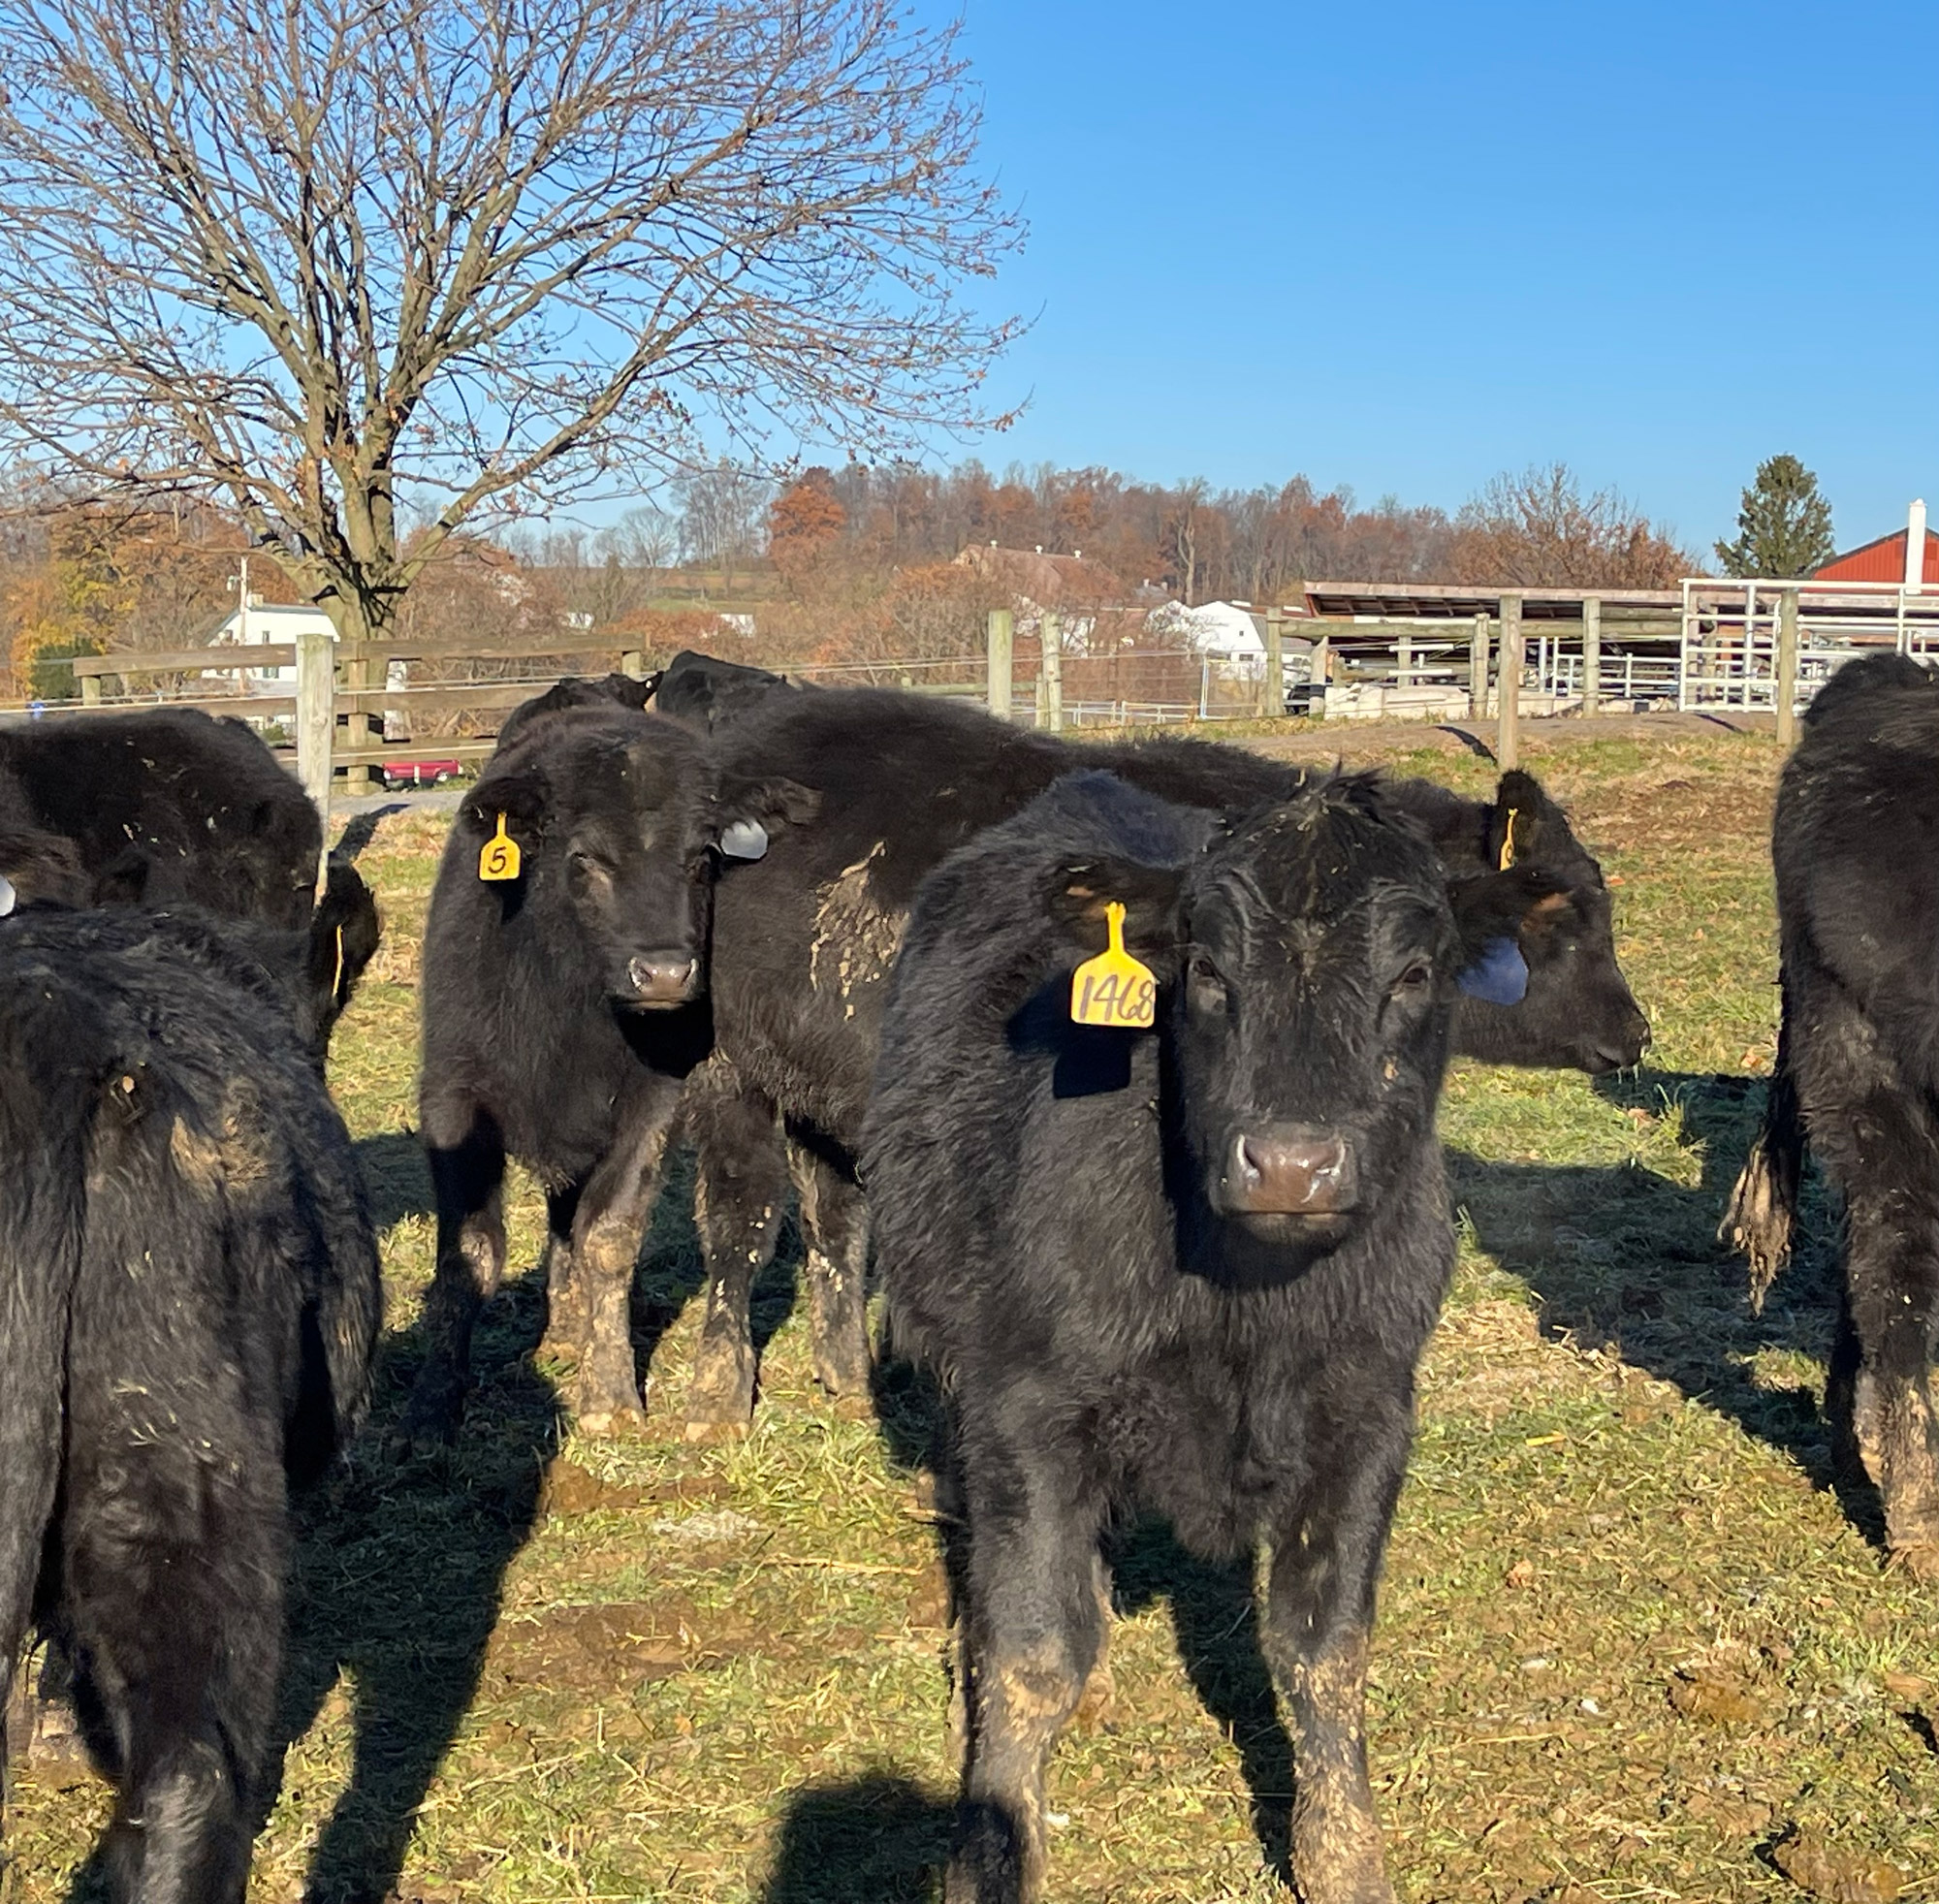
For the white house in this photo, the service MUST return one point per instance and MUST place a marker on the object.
(1231, 633)
(259, 625)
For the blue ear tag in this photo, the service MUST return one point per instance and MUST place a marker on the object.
(744, 839)
(1498, 977)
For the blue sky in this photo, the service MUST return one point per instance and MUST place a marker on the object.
(1404, 247)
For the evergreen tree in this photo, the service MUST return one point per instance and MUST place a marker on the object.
(1784, 527)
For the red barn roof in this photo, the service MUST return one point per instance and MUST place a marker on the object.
(1883, 560)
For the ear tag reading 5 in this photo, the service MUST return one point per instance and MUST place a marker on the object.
(501, 858)
(1113, 988)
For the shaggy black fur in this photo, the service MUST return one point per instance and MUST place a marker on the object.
(167, 808)
(562, 1011)
(188, 1302)
(1858, 1067)
(1072, 1235)
(705, 694)
(805, 937)
(572, 693)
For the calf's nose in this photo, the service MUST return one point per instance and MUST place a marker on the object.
(1291, 1170)
(662, 978)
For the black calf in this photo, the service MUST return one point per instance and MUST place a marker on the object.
(1192, 1266)
(189, 1285)
(1857, 1068)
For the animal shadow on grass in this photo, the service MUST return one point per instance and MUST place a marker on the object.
(881, 1838)
(396, 1586)
(396, 1176)
(1625, 1259)
(1214, 1612)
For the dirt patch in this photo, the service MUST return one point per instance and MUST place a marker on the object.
(596, 1649)
(1834, 1876)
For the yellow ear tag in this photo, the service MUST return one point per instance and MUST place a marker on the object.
(1508, 858)
(501, 858)
(1113, 988)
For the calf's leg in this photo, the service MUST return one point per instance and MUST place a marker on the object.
(835, 1214)
(467, 1174)
(740, 1194)
(604, 1391)
(1032, 1628)
(1327, 1552)
(174, 1602)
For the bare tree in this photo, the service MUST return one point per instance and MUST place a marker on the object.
(1537, 528)
(372, 275)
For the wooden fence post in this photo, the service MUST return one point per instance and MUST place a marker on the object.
(1272, 690)
(1478, 670)
(1051, 633)
(90, 690)
(633, 664)
(1592, 655)
(316, 719)
(1003, 652)
(1784, 688)
(1508, 690)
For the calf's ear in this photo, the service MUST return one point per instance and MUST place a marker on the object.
(521, 795)
(1488, 915)
(747, 812)
(1080, 891)
(1526, 824)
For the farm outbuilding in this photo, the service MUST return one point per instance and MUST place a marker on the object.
(1887, 559)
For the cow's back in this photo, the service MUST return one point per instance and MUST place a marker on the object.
(173, 806)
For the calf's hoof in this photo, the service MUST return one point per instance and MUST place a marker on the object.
(843, 1368)
(720, 1392)
(605, 1410)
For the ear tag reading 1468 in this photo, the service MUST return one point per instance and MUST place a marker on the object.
(1113, 988)
(501, 858)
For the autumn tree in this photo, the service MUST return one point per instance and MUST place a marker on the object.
(1784, 527)
(1536, 529)
(377, 277)
(805, 522)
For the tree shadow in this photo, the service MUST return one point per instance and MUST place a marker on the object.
(1623, 1259)
(881, 1838)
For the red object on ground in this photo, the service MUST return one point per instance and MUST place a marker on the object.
(420, 773)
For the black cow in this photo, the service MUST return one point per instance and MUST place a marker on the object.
(1857, 1068)
(190, 1292)
(169, 808)
(804, 935)
(1191, 1267)
(575, 694)
(308, 973)
(563, 1009)
(705, 694)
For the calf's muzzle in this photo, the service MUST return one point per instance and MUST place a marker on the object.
(663, 979)
(1290, 1170)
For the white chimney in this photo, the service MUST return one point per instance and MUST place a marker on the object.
(1915, 545)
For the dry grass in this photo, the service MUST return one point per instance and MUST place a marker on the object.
(1631, 1633)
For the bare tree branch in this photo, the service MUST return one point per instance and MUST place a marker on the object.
(334, 264)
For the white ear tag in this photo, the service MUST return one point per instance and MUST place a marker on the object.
(8, 895)
(744, 839)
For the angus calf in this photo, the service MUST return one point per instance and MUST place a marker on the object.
(1857, 1068)
(564, 1005)
(169, 808)
(805, 936)
(1192, 1266)
(189, 1288)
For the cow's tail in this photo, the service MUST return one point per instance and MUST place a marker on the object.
(43, 1137)
(1763, 1209)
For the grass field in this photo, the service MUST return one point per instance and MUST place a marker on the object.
(1634, 1643)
